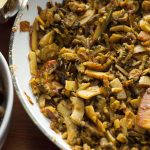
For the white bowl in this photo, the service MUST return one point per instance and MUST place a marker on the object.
(18, 58)
(8, 95)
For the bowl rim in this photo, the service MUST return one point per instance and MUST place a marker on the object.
(10, 99)
(16, 87)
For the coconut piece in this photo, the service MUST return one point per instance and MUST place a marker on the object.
(144, 81)
(70, 85)
(117, 84)
(78, 110)
(86, 17)
(139, 49)
(143, 116)
(143, 36)
(83, 86)
(91, 114)
(89, 92)
(72, 131)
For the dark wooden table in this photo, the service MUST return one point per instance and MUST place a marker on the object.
(23, 134)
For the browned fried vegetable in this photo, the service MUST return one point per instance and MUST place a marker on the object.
(24, 26)
(34, 37)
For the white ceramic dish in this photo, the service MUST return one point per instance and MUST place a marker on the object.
(6, 79)
(19, 49)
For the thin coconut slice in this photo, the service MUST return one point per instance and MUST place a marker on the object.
(139, 49)
(86, 17)
(89, 92)
(117, 84)
(144, 81)
(143, 117)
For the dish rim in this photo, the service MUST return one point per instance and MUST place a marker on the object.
(9, 101)
(16, 87)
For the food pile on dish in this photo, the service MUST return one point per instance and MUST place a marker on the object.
(90, 66)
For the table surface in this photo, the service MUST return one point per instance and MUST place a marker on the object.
(23, 134)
